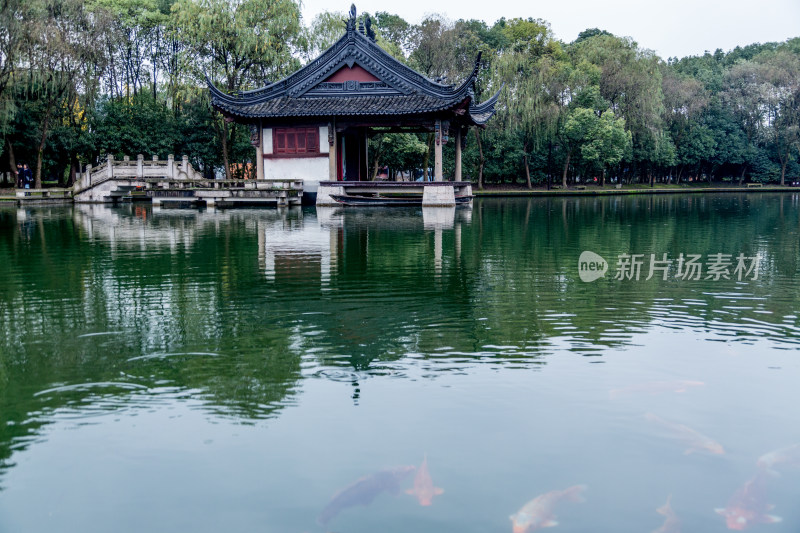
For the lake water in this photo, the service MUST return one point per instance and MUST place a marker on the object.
(283, 370)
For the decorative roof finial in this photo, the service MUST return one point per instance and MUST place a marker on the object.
(370, 31)
(351, 23)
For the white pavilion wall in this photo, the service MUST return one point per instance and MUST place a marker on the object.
(311, 170)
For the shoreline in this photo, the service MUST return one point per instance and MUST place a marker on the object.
(500, 192)
(613, 191)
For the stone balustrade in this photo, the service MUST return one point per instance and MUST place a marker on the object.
(138, 169)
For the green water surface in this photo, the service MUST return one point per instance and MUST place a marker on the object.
(205, 371)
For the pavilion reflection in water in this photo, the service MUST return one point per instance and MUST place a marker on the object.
(292, 243)
(304, 251)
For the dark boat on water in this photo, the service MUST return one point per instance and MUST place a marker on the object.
(388, 201)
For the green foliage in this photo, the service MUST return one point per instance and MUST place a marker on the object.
(399, 151)
(395, 30)
(242, 43)
(79, 79)
(139, 127)
(601, 139)
(630, 80)
(536, 73)
(325, 29)
(763, 167)
(591, 32)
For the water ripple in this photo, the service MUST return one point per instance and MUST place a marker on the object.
(172, 354)
(91, 386)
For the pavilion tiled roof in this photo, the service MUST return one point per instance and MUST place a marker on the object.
(286, 106)
(399, 91)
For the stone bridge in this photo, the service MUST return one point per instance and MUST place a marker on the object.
(170, 181)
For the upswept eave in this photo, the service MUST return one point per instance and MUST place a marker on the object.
(352, 48)
(482, 112)
(401, 90)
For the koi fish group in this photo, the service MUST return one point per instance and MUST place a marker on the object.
(365, 489)
(749, 506)
(746, 508)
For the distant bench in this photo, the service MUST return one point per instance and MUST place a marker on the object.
(753, 185)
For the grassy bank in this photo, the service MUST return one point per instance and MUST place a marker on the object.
(596, 190)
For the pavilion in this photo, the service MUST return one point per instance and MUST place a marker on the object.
(315, 123)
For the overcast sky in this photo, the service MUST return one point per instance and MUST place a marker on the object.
(671, 28)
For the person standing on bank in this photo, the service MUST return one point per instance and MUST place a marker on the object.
(27, 176)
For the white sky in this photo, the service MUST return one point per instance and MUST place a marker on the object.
(670, 27)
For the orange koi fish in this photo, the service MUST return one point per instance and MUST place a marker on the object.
(538, 512)
(671, 523)
(364, 490)
(789, 456)
(655, 387)
(423, 485)
(749, 506)
(694, 439)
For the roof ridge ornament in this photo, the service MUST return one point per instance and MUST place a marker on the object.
(400, 90)
(370, 31)
(351, 22)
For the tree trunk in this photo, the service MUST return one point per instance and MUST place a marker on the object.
(154, 60)
(549, 164)
(741, 178)
(527, 170)
(37, 179)
(225, 160)
(12, 163)
(603, 178)
(783, 172)
(566, 168)
(481, 159)
(73, 170)
(112, 71)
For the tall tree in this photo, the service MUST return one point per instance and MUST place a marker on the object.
(238, 44)
(685, 100)
(15, 18)
(60, 52)
(596, 134)
(630, 81)
(745, 95)
(783, 106)
(537, 74)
